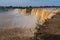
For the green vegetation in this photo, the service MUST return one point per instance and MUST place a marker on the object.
(29, 7)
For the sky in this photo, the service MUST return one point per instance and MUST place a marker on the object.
(29, 2)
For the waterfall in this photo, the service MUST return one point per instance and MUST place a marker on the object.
(27, 23)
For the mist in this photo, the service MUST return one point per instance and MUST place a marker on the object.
(12, 19)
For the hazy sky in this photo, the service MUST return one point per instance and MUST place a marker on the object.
(29, 2)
